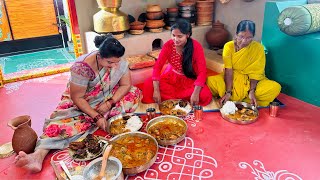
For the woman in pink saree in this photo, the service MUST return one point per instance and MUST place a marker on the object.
(99, 88)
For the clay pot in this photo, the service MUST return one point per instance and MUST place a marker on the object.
(172, 10)
(172, 14)
(24, 137)
(155, 15)
(137, 25)
(154, 8)
(217, 36)
(155, 24)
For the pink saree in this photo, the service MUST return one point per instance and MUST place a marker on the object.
(67, 123)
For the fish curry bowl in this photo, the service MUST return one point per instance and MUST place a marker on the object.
(167, 130)
(113, 170)
(137, 151)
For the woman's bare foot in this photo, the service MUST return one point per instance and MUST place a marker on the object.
(31, 162)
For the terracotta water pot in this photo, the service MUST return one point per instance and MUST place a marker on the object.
(217, 36)
(24, 137)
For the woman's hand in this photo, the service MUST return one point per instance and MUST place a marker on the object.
(102, 123)
(104, 107)
(156, 96)
(194, 99)
(225, 98)
(253, 98)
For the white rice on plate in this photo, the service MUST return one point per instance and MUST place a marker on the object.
(229, 108)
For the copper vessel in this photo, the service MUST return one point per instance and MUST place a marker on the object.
(110, 19)
(24, 137)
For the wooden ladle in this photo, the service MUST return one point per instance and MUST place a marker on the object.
(105, 156)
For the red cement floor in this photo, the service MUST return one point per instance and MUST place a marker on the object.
(271, 148)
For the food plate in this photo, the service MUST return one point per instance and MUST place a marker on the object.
(175, 107)
(246, 114)
(123, 123)
(86, 149)
(167, 130)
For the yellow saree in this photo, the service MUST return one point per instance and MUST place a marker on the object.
(247, 63)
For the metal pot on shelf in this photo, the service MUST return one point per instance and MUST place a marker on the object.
(110, 19)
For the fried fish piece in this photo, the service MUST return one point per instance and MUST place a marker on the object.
(77, 145)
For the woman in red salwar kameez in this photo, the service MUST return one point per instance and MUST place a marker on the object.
(185, 75)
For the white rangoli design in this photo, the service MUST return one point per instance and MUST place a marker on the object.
(262, 174)
(190, 119)
(183, 161)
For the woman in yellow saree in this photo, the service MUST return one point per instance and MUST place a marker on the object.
(244, 76)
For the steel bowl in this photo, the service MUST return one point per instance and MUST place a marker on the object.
(158, 119)
(114, 166)
(246, 105)
(141, 168)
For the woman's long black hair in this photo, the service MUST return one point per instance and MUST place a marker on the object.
(185, 27)
(109, 46)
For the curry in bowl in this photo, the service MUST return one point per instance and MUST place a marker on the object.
(135, 150)
(167, 130)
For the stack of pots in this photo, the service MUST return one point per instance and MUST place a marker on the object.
(205, 12)
(171, 17)
(187, 10)
(155, 17)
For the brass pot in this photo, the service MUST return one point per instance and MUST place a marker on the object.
(110, 20)
(109, 3)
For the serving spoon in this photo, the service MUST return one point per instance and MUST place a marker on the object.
(102, 173)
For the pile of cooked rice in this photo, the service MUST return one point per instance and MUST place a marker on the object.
(229, 108)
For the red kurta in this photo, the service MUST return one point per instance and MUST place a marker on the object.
(173, 83)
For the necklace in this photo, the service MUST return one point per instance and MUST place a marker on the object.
(101, 82)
